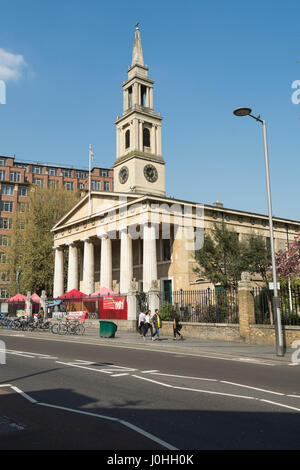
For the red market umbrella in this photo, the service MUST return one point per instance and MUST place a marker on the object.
(103, 291)
(18, 298)
(35, 298)
(72, 293)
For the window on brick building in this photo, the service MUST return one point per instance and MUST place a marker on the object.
(95, 185)
(6, 206)
(22, 191)
(69, 185)
(5, 240)
(7, 189)
(39, 182)
(5, 223)
(15, 176)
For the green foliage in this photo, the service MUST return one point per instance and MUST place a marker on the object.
(165, 311)
(32, 246)
(223, 257)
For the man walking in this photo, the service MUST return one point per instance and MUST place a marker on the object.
(157, 325)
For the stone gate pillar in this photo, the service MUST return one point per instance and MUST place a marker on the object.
(246, 306)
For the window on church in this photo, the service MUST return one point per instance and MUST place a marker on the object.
(146, 137)
(127, 139)
(143, 95)
(130, 97)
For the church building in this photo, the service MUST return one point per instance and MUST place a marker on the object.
(136, 235)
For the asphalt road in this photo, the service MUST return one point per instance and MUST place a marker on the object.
(72, 395)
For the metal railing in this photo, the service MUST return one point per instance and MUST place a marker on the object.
(289, 305)
(218, 305)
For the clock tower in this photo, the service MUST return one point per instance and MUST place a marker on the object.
(139, 165)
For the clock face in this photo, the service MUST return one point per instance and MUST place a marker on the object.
(150, 173)
(123, 174)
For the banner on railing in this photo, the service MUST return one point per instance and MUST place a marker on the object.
(114, 303)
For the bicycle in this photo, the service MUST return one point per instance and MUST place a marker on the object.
(71, 327)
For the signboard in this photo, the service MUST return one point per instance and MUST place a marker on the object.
(114, 303)
(58, 315)
(52, 303)
(271, 285)
(77, 315)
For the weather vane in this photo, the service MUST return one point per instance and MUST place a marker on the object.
(137, 25)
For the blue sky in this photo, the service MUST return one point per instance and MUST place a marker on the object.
(68, 60)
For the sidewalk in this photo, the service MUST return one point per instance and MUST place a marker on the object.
(193, 346)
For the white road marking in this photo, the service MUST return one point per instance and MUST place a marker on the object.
(110, 344)
(281, 405)
(95, 415)
(83, 367)
(184, 377)
(252, 388)
(148, 371)
(119, 375)
(16, 389)
(195, 389)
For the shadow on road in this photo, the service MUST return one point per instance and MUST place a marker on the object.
(35, 426)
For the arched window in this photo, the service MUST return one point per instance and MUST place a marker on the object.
(146, 137)
(127, 139)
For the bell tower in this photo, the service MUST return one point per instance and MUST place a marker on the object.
(139, 165)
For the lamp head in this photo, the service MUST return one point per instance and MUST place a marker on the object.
(242, 112)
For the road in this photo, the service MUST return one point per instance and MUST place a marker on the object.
(75, 395)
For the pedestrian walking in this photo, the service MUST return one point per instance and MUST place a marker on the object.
(141, 324)
(148, 324)
(176, 325)
(157, 325)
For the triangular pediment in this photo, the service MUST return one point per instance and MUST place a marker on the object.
(98, 204)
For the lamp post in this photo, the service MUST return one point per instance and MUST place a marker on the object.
(276, 301)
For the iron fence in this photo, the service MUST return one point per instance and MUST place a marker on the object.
(201, 306)
(289, 305)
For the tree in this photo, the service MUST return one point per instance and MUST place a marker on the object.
(32, 241)
(256, 254)
(220, 258)
(288, 261)
(223, 257)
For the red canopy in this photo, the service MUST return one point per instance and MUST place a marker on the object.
(72, 293)
(103, 291)
(18, 298)
(35, 298)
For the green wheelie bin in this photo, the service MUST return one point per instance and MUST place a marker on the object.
(107, 329)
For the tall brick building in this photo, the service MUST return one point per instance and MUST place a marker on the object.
(15, 179)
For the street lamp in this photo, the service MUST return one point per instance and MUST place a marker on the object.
(276, 301)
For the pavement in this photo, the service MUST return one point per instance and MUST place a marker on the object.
(192, 346)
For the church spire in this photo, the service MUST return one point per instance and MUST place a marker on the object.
(137, 54)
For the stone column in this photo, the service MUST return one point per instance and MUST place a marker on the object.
(28, 304)
(158, 140)
(151, 98)
(88, 266)
(126, 262)
(154, 297)
(135, 96)
(73, 267)
(246, 306)
(149, 257)
(58, 286)
(106, 263)
(141, 148)
(132, 306)
(43, 304)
